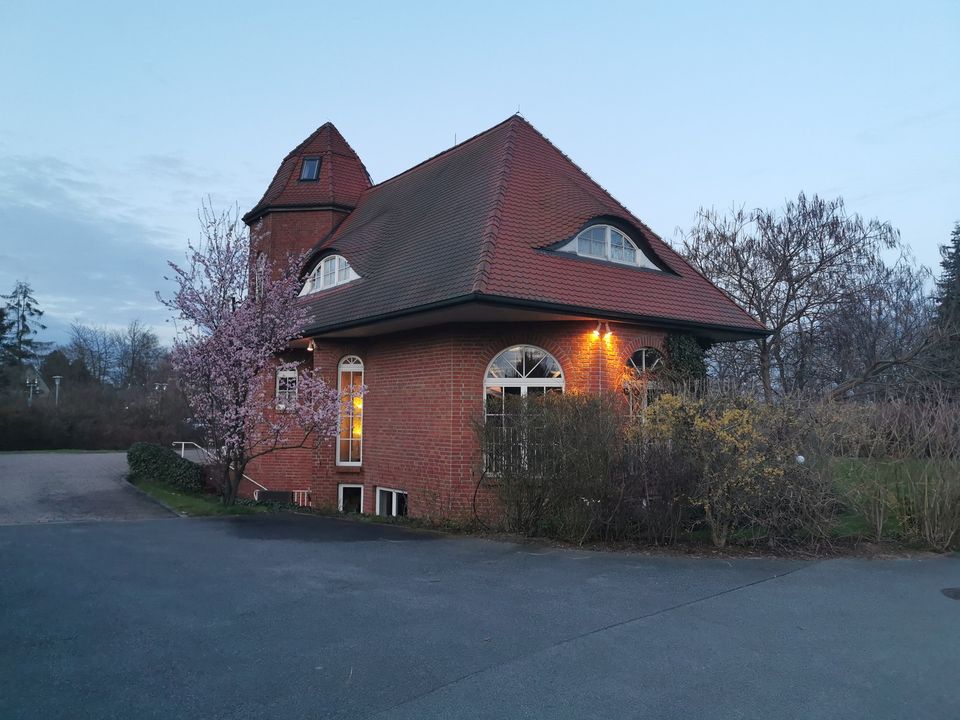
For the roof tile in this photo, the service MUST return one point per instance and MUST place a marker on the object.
(475, 221)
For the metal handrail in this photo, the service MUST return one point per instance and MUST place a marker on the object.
(211, 456)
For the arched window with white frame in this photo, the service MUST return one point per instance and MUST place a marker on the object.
(350, 428)
(333, 270)
(605, 242)
(520, 371)
(514, 375)
(639, 377)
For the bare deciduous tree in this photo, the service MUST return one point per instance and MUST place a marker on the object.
(815, 276)
(95, 348)
(138, 352)
(124, 358)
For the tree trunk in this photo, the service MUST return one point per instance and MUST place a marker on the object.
(234, 475)
(227, 494)
(764, 361)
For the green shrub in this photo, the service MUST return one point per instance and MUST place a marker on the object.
(575, 467)
(163, 465)
(750, 481)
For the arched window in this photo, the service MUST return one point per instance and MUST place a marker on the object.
(333, 270)
(259, 276)
(520, 371)
(639, 377)
(350, 430)
(606, 242)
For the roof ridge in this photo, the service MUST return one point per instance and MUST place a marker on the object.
(492, 227)
(635, 219)
(590, 178)
(445, 152)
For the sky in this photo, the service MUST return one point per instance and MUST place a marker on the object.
(118, 119)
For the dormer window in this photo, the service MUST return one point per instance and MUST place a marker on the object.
(605, 242)
(310, 170)
(331, 271)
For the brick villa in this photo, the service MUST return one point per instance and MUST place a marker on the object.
(495, 268)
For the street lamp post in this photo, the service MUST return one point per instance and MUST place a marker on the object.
(56, 389)
(32, 387)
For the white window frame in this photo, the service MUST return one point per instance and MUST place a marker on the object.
(315, 175)
(351, 364)
(286, 374)
(641, 374)
(393, 501)
(641, 257)
(340, 488)
(524, 383)
(335, 266)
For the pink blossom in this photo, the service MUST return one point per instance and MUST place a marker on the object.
(232, 328)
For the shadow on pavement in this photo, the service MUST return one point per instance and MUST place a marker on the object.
(312, 528)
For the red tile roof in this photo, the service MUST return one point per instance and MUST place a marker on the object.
(477, 222)
(341, 181)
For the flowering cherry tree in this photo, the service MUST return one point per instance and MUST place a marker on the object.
(235, 317)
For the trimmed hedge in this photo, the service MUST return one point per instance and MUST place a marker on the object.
(161, 464)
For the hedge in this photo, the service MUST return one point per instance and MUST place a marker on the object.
(160, 464)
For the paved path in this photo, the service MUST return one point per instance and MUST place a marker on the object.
(69, 487)
(291, 617)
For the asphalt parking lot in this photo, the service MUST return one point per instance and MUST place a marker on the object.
(69, 487)
(289, 616)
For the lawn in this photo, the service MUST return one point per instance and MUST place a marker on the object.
(195, 504)
(865, 484)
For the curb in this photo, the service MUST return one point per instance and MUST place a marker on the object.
(154, 500)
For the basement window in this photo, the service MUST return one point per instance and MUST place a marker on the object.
(391, 503)
(310, 170)
(350, 499)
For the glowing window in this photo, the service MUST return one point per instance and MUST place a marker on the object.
(350, 429)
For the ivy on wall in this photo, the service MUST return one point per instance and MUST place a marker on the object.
(685, 359)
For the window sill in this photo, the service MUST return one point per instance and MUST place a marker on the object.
(349, 468)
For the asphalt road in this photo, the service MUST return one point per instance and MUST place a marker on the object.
(70, 487)
(299, 617)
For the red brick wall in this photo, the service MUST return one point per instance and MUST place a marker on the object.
(281, 234)
(425, 392)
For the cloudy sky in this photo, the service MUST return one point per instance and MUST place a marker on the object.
(116, 119)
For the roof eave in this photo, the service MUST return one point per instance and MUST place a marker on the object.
(715, 331)
(259, 211)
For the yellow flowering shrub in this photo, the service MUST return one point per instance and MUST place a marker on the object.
(747, 458)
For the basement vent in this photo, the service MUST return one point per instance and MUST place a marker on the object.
(275, 496)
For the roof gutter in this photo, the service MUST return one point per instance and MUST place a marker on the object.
(501, 301)
(259, 211)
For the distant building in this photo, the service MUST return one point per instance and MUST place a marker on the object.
(16, 379)
(497, 268)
